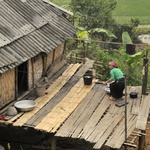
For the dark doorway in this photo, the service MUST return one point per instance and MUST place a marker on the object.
(22, 78)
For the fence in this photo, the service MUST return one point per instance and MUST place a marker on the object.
(103, 52)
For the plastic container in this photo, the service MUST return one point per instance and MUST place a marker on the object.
(130, 49)
(40, 89)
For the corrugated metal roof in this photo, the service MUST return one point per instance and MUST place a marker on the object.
(29, 28)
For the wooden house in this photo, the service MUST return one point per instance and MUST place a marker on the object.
(33, 34)
(32, 42)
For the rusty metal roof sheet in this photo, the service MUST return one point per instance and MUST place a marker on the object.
(29, 28)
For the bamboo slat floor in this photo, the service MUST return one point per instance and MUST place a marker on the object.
(74, 110)
(101, 123)
(36, 119)
(52, 90)
(143, 113)
(64, 108)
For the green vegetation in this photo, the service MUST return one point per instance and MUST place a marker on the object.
(63, 3)
(102, 53)
(127, 9)
(93, 20)
(142, 29)
(94, 13)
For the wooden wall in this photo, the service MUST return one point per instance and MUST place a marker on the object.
(52, 61)
(7, 87)
(59, 51)
(30, 74)
(49, 58)
(35, 70)
(38, 68)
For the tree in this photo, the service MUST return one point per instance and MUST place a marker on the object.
(94, 13)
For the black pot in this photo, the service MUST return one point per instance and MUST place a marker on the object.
(133, 94)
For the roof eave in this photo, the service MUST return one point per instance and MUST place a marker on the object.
(62, 9)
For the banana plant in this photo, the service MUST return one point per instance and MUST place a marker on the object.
(86, 35)
(130, 58)
(101, 30)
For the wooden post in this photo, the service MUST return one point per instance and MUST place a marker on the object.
(144, 90)
(64, 50)
(16, 83)
(142, 141)
(145, 76)
(84, 53)
(53, 142)
(32, 65)
(126, 123)
(44, 61)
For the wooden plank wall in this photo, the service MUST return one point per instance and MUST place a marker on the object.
(35, 72)
(36, 65)
(7, 87)
(30, 74)
(59, 51)
(49, 59)
(38, 68)
(1, 102)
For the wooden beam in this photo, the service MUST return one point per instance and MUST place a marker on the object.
(145, 76)
(143, 113)
(53, 143)
(128, 144)
(142, 141)
(16, 82)
(139, 133)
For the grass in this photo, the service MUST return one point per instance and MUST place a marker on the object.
(145, 30)
(125, 10)
(62, 3)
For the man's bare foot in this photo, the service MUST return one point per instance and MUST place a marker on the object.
(112, 98)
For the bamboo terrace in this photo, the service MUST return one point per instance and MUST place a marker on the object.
(70, 109)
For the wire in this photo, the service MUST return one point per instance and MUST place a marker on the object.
(117, 43)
